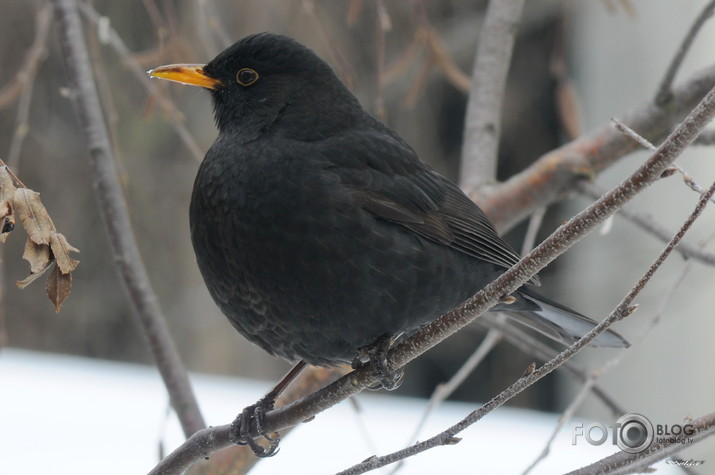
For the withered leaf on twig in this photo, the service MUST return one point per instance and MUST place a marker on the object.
(38, 255)
(59, 286)
(45, 246)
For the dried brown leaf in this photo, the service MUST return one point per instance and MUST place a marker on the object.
(44, 245)
(7, 220)
(7, 191)
(58, 287)
(38, 255)
(33, 215)
(61, 249)
(7, 184)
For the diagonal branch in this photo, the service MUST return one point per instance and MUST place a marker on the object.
(26, 77)
(622, 462)
(664, 93)
(166, 104)
(529, 345)
(590, 382)
(622, 310)
(559, 171)
(115, 214)
(647, 223)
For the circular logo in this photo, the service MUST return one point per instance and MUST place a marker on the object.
(635, 433)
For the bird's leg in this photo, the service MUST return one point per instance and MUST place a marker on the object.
(377, 359)
(240, 433)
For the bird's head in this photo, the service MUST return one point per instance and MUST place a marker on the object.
(268, 79)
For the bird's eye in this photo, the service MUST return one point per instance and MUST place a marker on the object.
(246, 76)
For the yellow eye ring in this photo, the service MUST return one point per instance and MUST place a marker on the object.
(246, 76)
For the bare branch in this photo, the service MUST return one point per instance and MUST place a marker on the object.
(533, 347)
(175, 117)
(612, 363)
(212, 32)
(650, 225)
(443, 391)
(687, 177)
(26, 77)
(436, 55)
(622, 310)
(115, 214)
(635, 136)
(342, 67)
(664, 93)
(622, 462)
(491, 65)
(537, 217)
(34, 57)
(566, 416)
(240, 459)
(444, 61)
(559, 171)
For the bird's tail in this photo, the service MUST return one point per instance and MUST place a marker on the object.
(554, 320)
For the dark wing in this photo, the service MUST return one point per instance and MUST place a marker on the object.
(387, 179)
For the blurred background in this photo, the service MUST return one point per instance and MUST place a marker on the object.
(613, 53)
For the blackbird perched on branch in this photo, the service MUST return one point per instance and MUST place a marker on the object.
(319, 232)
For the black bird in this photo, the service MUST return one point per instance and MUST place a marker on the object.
(318, 230)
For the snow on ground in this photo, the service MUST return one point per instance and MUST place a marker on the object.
(68, 415)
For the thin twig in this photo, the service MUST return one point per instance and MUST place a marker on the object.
(27, 75)
(204, 31)
(362, 426)
(484, 108)
(217, 25)
(344, 70)
(612, 363)
(623, 463)
(537, 217)
(398, 66)
(650, 225)
(566, 416)
(557, 173)
(443, 391)
(211, 28)
(446, 64)
(175, 117)
(635, 136)
(687, 177)
(664, 93)
(436, 55)
(34, 57)
(622, 310)
(532, 347)
(689, 180)
(113, 208)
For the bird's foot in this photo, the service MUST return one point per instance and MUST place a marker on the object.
(376, 355)
(240, 433)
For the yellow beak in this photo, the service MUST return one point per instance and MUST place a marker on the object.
(189, 74)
